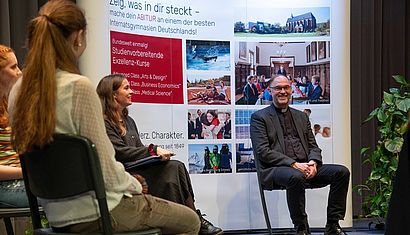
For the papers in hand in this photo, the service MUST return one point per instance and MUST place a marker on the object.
(142, 162)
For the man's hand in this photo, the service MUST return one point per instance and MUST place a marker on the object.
(308, 169)
(312, 169)
(142, 181)
(302, 167)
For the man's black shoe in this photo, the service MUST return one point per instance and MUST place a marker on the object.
(334, 229)
(302, 229)
(207, 228)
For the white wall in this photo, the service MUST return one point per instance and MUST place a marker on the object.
(95, 62)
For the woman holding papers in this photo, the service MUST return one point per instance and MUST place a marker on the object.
(167, 178)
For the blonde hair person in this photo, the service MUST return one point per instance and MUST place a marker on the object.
(12, 193)
(53, 98)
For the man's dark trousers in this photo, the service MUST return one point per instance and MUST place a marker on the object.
(294, 181)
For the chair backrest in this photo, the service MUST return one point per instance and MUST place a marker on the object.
(66, 167)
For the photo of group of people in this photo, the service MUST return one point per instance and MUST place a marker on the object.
(310, 81)
(209, 158)
(209, 124)
(209, 90)
(324, 132)
(318, 129)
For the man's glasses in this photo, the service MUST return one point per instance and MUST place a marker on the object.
(280, 88)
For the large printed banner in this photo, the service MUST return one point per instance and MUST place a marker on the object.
(152, 65)
(201, 68)
(174, 19)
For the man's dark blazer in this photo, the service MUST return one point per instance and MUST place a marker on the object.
(315, 93)
(281, 72)
(198, 124)
(251, 93)
(191, 129)
(268, 141)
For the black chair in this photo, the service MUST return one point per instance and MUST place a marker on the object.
(7, 213)
(67, 167)
(262, 188)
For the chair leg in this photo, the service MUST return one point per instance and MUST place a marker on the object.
(265, 211)
(9, 226)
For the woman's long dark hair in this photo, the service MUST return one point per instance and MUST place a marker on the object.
(106, 90)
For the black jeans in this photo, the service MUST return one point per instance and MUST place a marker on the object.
(337, 176)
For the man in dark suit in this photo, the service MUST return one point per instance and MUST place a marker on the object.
(198, 123)
(191, 128)
(281, 71)
(250, 91)
(286, 148)
(315, 90)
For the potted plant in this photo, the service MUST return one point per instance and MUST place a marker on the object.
(391, 118)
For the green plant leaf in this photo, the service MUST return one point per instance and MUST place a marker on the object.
(399, 114)
(403, 104)
(385, 180)
(377, 199)
(388, 98)
(401, 80)
(381, 115)
(372, 114)
(394, 145)
(384, 130)
(375, 213)
(403, 130)
(385, 159)
(374, 176)
(391, 124)
(364, 150)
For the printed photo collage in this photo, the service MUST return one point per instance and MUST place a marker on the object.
(227, 81)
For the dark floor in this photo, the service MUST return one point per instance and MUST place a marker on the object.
(360, 227)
